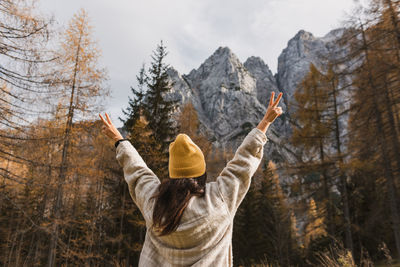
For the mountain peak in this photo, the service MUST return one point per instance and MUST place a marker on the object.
(222, 59)
(253, 60)
(223, 50)
(304, 35)
(256, 64)
(224, 53)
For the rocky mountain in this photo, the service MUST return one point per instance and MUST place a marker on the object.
(226, 95)
(231, 97)
(304, 48)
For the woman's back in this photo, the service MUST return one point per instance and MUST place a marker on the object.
(202, 238)
(204, 234)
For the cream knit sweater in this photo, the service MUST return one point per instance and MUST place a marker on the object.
(204, 236)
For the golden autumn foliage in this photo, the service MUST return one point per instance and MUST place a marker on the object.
(315, 227)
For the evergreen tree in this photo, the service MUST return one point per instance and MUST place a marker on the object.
(263, 224)
(135, 105)
(279, 244)
(246, 233)
(150, 111)
(158, 109)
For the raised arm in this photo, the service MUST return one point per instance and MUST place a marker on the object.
(141, 180)
(234, 180)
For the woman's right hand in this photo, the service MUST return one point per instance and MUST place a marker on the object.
(272, 112)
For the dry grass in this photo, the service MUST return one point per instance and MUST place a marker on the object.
(338, 256)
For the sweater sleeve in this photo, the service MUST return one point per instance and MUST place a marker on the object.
(141, 180)
(234, 180)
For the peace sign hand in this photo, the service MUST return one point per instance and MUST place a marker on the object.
(109, 129)
(273, 111)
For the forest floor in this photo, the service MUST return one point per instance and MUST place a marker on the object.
(384, 264)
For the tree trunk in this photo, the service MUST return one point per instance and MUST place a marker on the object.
(331, 227)
(396, 29)
(343, 180)
(63, 166)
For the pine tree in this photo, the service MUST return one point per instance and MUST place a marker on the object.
(151, 111)
(263, 223)
(158, 109)
(135, 105)
(276, 221)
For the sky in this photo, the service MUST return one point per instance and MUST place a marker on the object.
(128, 31)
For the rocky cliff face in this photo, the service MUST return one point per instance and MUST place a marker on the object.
(226, 95)
(231, 97)
(265, 80)
(295, 59)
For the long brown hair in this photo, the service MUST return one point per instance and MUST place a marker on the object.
(171, 200)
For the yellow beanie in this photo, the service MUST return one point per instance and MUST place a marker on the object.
(186, 160)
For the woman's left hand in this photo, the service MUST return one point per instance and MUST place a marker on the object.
(109, 129)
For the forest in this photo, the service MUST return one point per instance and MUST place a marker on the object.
(63, 197)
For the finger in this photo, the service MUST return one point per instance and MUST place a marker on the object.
(277, 100)
(103, 120)
(108, 118)
(271, 98)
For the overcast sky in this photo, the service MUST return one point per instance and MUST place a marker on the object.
(129, 30)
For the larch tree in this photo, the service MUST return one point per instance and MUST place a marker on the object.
(188, 123)
(149, 149)
(336, 110)
(24, 35)
(82, 82)
(386, 135)
(374, 123)
(315, 224)
(321, 101)
(313, 137)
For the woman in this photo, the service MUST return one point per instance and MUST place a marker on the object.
(189, 222)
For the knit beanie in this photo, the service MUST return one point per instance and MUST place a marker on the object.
(186, 160)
